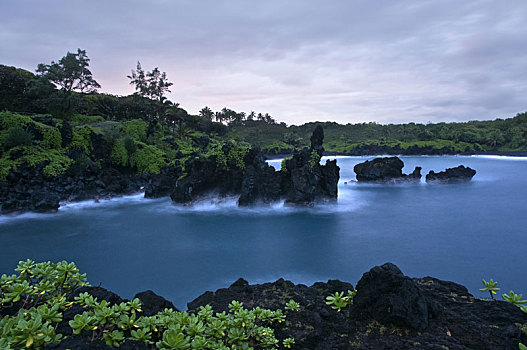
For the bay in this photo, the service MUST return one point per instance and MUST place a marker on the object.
(459, 232)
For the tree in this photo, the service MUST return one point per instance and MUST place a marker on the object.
(152, 84)
(13, 88)
(206, 112)
(70, 73)
(138, 79)
(158, 84)
(268, 119)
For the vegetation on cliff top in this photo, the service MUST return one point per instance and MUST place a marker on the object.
(146, 131)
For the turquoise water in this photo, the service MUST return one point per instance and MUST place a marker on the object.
(458, 232)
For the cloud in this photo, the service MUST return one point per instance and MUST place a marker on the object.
(348, 61)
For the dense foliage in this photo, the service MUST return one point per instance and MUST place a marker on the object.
(41, 142)
(41, 292)
(470, 137)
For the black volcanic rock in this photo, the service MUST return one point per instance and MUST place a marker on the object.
(303, 181)
(386, 295)
(260, 184)
(317, 139)
(204, 176)
(45, 201)
(387, 169)
(151, 303)
(458, 174)
(66, 132)
(162, 185)
(27, 188)
(389, 311)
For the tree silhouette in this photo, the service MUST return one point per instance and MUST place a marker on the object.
(70, 73)
(152, 84)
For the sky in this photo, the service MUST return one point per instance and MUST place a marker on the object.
(347, 61)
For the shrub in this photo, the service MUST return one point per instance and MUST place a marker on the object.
(148, 159)
(52, 138)
(43, 293)
(228, 154)
(314, 160)
(135, 128)
(9, 120)
(236, 154)
(6, 164)
(57, 162)
(338, 300)
(80, 118)
(129, 145)
(119, 153)
(283, 166)
(17, 136)
(82, 139)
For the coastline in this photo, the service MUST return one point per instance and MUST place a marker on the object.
(387, 310)
(137, 184)
(344, 154)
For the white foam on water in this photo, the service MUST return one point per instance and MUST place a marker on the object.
(4, 219)
(500, 157)
(66, 207)
(101, 203)
(220, 205)
(348, 200)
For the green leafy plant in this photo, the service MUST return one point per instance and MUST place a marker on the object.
(80, 118)
(338, 300)
(522, 347)
(52, 138)
(287, 342)
(292, 305)
(490, 286)
(314, 160)
(17, 136)
(515, 299)
(82, 139)
(43, 290)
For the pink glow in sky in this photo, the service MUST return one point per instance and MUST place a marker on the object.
(345, 61)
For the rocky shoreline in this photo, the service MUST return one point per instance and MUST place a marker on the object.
(26, 189)
(389, 311)
(305, 182)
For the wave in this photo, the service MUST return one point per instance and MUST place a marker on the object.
(7, 218)
(348, 200)
(102, 203)
(67, 207)
(498, 157)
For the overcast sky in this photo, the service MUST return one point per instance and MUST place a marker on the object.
(300, 60)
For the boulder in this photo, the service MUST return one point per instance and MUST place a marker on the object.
(260, 183)
(44, 201)
(201, 179)
(151, 303)
(386, 295)
(458, 174)
(382, 170)
(161, 185)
